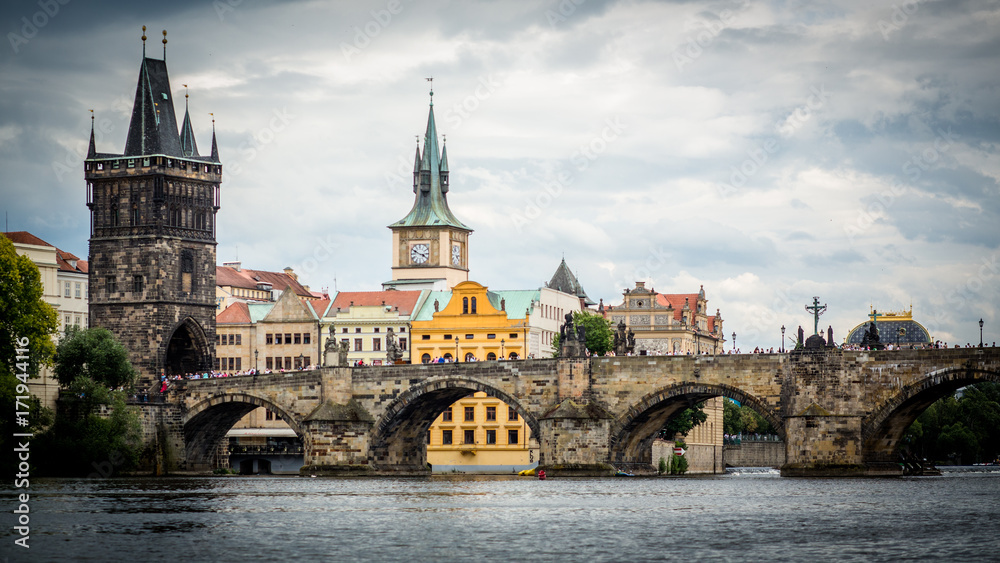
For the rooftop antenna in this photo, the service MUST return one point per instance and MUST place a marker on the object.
(164, 44)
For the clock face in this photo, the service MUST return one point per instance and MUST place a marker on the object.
(456, 255)
(419, 253)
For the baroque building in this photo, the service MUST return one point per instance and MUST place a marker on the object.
(430, 246)
(364, 319)
(668, 323)
(894, 327)
(152, 234)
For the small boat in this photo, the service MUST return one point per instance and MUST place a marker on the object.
(527, 472)
(621, 473)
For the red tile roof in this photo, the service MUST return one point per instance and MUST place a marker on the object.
(65, 260)
(405, 300)
(227, 276)
(318, 306)
(24, 237)
(236, 313)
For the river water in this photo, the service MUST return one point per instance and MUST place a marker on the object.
(749, 515)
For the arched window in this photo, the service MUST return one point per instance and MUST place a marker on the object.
(426, 358)
(491, 356)
(448, 356)
(465, 305)
(473, 305)
(114, 215)
(470, 357)
(513, 356)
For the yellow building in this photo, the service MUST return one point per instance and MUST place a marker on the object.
(480, 434)
(471, 323)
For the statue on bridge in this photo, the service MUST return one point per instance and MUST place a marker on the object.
(334, 353)
(871, 340)
(572, 339)
(624, 343)
(393, 351)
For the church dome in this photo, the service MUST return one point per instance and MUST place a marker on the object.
(892, 327)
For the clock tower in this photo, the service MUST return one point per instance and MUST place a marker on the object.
(430, 246)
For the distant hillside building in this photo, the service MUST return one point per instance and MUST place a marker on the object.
(152, 234)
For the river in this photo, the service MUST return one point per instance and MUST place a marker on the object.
(749, 515)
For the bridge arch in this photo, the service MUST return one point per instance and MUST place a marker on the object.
(632, 434)
(206, 422)
(398, 443)
(883, 429)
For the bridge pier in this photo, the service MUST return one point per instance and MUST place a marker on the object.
(574, 440)
(336, 440)
(823, 415)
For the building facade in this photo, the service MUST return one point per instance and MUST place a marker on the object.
(363, 320)
(470, 323)
(152, 234)
(480, 434)
(279, 336)
(236, 283)
(668, 323)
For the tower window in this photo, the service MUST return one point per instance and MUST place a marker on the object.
(111, 284)
(187, 271)
(465, 305)
(473, 305)
(137, 284)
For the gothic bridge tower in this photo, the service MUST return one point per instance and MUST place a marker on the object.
(430, 246)
(152, 234)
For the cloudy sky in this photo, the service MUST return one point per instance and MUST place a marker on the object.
(770, 151)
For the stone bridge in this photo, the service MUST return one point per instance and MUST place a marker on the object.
(839, 413)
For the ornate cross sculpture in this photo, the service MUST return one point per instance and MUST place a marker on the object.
(816, 309)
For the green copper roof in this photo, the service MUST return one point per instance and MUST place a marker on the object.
(426, 313)
(515, 301)
(259, 310)
(430, 183)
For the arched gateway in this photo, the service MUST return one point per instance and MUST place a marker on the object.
(839, 413)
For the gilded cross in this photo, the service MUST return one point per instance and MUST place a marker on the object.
(874, 315)
(816, 309)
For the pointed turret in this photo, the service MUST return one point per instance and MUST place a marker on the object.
(564, 280)
(92, 151)
(416, 168)
(188, 145)
(153, 127)
(431, 205)
(443, 170)
(215, 145)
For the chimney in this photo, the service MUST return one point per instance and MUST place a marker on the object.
(233, 265)
(291, 273)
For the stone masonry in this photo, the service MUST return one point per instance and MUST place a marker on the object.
(839, 413)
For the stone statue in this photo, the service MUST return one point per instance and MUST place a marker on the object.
(829, 336)
(624, 340)
(330, 350)
(393, 351)
(436, 306)
(342, 354)
(630, 347)
(871, 339)
(581, 334)
(566, 328)
(572, 339)
(503, 304)
(802, 337)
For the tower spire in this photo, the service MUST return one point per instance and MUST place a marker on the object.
(92, 151)
(188, 145)
(144, 42)
(215, 146)
(164, 45)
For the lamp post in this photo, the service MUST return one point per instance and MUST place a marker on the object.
(255, 352)
(980, 333)
(502, 343)
(734, 342)
(782, 347)
(456, 348)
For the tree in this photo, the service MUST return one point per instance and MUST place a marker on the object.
(26, 325)
(599, 336)
(95, 432)
(737, 419)
(93, 353)
(961, 428)
(684, 421)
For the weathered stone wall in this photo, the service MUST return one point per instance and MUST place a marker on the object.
(701, 458)
(754, 454)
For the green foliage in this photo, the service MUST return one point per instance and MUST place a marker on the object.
(23, 313)
(682, 422)
(738, 419)
(678, 463)
(95, 434)
(555, 346)
(959, 430)
(93, 354)
(662, 467)
(24, 319)
(599, 335)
